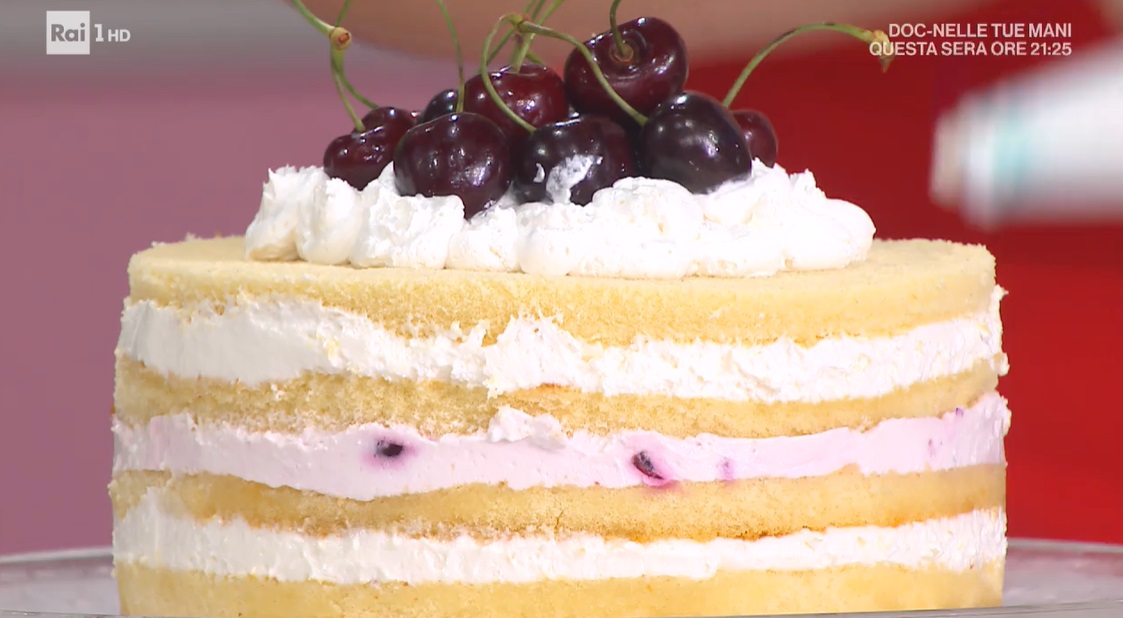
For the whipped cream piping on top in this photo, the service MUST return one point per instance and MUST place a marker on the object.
(148, 536)
(637, 228)
(523, 451)
(261, 340)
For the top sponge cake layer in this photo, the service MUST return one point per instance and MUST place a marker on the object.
(902, 285)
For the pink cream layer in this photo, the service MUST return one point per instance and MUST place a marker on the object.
(371, 461)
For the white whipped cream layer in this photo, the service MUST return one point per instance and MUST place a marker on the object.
(259, 340)
(523, 451)
(148, 536)
(639, 228)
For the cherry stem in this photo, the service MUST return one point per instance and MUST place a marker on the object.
(459, 55)
(321, 25)
(502, 43)
(523, 25)
(339, 31)
(355, 93)
(343, 12)
(623, 50)
(337, 77)
(337, 66)
(340, 39)
(868, 36)
(550, 11)
(533, 8)
(522, 52)
(485, 75)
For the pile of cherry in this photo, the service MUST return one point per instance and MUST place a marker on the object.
(479, 153)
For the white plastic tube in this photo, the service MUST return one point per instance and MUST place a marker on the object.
(1045, 147)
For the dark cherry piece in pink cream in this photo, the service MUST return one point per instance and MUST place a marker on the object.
(642, 462)
(388, 449)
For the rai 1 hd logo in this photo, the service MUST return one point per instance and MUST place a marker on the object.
(70, 33)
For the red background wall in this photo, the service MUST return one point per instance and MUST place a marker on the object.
(868, 136)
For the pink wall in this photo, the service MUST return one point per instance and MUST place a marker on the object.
(89, 174)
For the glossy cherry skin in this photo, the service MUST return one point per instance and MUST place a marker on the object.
(393, 119)
(534, 92)
(596, 137)
(694, 141)
(359, 158)
(655, 72)
(457, 154)
(442, 104)
(759, 135)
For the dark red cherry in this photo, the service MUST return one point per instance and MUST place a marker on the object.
(464, 154)
(596, 139)
(442, 103)
(655, 72)
(759, 135)
(694, 141)
(393, 119)
(359, 158)
(642, 462)
(534, 92)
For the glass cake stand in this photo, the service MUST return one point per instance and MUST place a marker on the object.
(1043, 578)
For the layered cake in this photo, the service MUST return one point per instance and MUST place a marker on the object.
(494, 360)
(816, 430)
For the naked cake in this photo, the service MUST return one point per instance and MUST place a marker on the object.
(549, 377)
